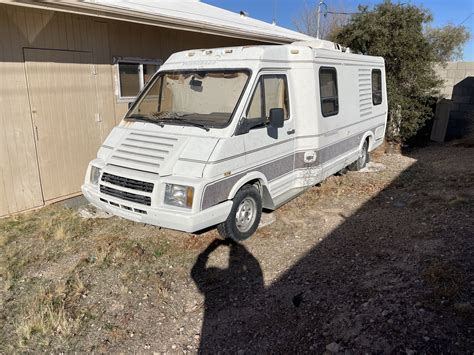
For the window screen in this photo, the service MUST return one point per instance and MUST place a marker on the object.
(328, 91)
(376, 86)
(271, 92)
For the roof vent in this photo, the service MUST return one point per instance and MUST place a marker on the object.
(320, 44)
(244, 14)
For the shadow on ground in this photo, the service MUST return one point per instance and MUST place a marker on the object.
(396, 276)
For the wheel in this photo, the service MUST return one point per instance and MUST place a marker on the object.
(244, 216)
(363, 158)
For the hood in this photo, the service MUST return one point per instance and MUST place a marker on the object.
(154, 152)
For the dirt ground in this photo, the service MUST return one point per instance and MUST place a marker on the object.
(368, 262)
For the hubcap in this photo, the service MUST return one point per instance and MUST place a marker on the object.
(245, 216)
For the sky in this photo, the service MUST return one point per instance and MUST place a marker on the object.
(443, 11)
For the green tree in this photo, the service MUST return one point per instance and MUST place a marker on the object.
(400, 34)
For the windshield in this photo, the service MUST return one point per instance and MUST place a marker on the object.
(199, 98)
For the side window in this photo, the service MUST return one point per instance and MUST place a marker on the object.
(271, 92)
(328, 91)
(376, 86)
(276, 94)
(129, 77)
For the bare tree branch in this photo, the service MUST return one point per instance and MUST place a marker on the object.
(332, 20)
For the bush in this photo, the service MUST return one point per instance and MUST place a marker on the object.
(400, 34)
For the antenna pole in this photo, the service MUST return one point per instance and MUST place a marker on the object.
(321, 2)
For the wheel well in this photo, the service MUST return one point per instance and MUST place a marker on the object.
(257, 183)
(267, 201)
(368, 139)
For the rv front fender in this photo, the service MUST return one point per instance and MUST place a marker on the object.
(254, 177)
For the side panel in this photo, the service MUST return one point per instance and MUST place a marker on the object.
(336, 140)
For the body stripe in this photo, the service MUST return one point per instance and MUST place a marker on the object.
(218, 191)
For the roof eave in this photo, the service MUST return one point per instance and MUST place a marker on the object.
(102, 11)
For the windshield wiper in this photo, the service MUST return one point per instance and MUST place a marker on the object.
(190, 122)
(171, 116)
(147, 119)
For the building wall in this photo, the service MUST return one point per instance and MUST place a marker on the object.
(459, 90)
(46, 54)
(452, 74)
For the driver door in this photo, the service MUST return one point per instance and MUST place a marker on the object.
(268, 149)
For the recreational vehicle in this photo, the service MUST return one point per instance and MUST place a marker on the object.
(217, 135)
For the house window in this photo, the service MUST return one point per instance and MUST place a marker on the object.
(376, 86)
(328, 91)
(271, 92)
(133, 75)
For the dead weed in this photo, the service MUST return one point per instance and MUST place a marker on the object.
(50, 313)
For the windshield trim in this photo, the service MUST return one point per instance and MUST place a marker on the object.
(156, 76)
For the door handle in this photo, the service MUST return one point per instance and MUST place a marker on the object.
(291, 131)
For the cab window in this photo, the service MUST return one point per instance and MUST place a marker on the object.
(270, 92)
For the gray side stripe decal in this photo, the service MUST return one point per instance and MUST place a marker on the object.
(218, 191)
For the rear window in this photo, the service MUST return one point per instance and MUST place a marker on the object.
(376, 86)
(328, 91)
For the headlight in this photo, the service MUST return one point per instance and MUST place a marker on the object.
(95, 174)
(178, 195)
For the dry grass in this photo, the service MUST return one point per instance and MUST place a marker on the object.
(54, 263)
(49, 314)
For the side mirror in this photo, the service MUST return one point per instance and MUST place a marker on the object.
(277, 117)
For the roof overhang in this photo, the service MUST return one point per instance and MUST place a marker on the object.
(200, 17)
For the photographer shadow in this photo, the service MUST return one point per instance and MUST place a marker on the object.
(228, 292)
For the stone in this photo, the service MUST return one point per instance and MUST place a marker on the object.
(333, 347)
(267, 219)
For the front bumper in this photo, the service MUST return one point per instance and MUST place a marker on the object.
(184, 221)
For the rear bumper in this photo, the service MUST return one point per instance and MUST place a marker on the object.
(184, 221)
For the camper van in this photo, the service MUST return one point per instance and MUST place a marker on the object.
(217, 135)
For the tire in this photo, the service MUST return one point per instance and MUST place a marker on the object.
(244, 215)
(363, 158)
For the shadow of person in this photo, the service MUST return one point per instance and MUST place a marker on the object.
(228, 293)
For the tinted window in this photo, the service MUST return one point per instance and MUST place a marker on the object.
(328, 91)
(271, 92)
(376, 87)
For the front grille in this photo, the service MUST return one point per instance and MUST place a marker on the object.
(137, 210)
(128, 183)
(144, 200)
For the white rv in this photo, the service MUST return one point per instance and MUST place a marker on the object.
(219, 134)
